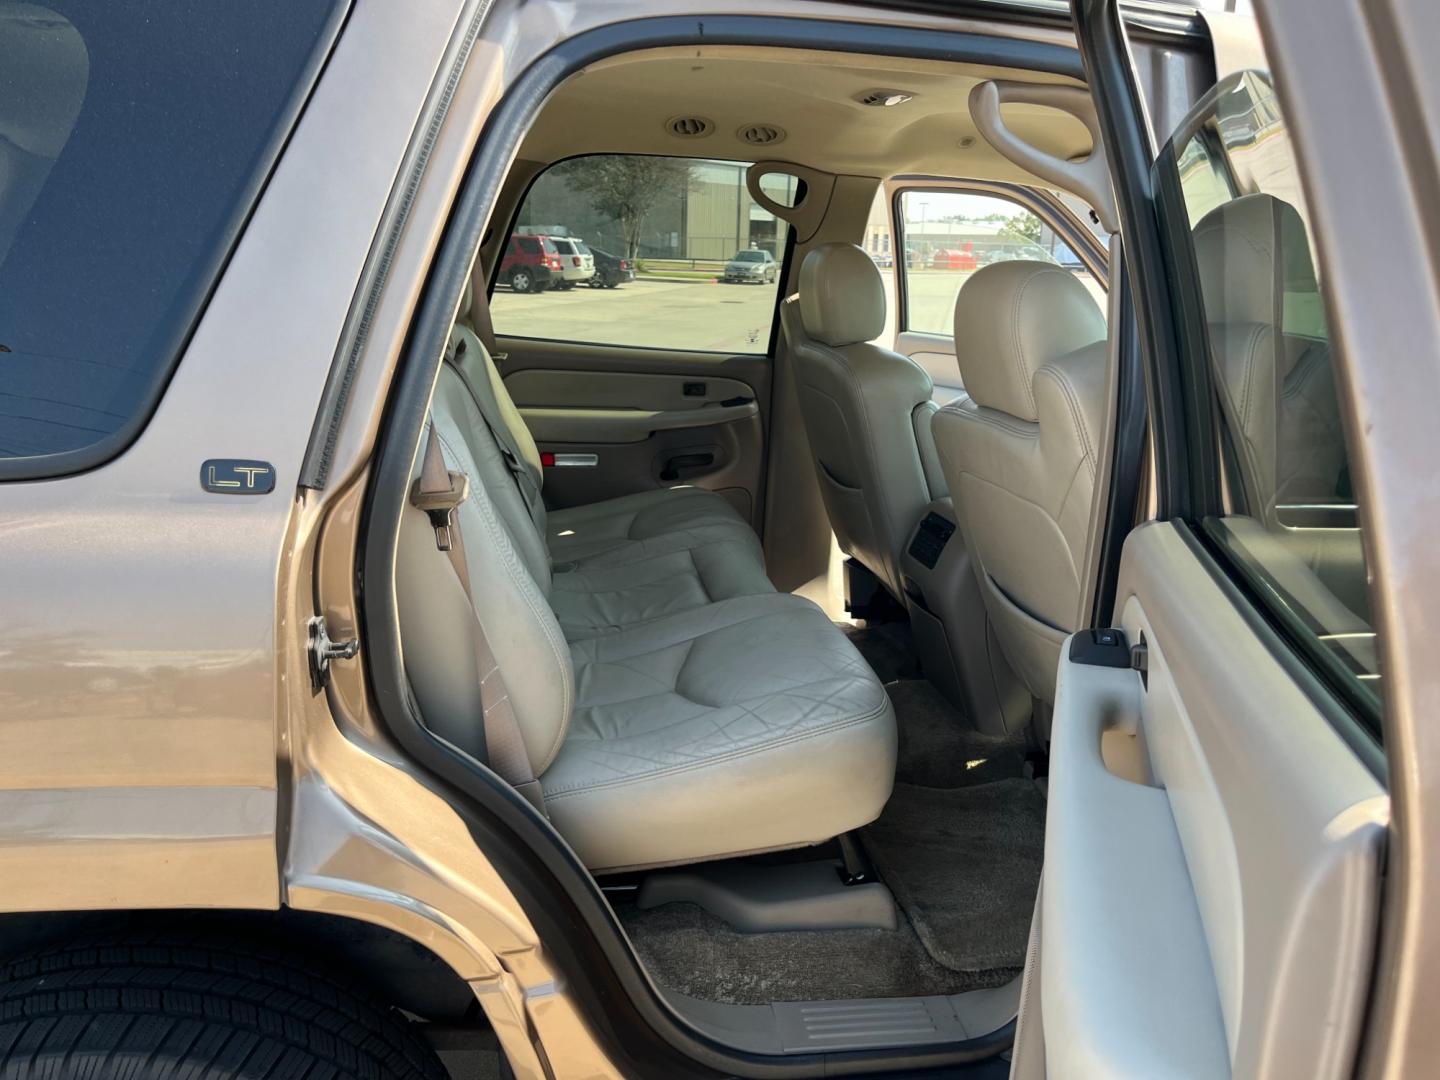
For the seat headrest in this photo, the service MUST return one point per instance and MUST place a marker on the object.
(1250, 252)
(1013, 317)
(842, 300)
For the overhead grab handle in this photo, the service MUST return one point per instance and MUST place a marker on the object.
(1088, 178)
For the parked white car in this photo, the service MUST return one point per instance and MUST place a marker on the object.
(577, 265)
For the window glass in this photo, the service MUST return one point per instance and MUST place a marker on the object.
(951, 234)
(674, 254)
(879, 245)
(1288, 518)
(132, 144)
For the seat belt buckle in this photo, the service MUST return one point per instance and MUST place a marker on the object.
(440, 506)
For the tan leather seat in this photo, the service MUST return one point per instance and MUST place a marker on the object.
(1019, 451)
(674, 707)
(867, 410)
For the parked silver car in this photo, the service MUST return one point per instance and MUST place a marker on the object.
(752, 266)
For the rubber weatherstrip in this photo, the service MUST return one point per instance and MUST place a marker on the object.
(315, 468)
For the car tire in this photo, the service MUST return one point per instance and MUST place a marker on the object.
(521, 281)
(162, 1005)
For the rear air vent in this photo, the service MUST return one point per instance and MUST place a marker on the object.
(689, 127)
(761, 134)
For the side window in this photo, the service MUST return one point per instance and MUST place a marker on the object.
(879, 244)
(132, 146)
(948, 235)
(1286, 519)
(642, 251)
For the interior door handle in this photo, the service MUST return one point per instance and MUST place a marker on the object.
(569, 461)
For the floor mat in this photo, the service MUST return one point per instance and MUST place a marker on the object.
(964, 864)
(939, 749)
(687, 949)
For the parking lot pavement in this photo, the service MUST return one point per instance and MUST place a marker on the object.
(698, 314)
(653, 314)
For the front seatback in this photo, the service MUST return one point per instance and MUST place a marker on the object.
(1019, 451)
(861, 405)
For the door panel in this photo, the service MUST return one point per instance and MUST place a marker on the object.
(936, 354)
(651, 418)
(1213, 849)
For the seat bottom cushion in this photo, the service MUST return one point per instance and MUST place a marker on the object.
(746, 725)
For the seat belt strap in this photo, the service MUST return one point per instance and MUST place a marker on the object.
(490, 413)
(480, 320)
(439, 492)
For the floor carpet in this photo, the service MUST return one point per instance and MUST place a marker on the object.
(687, 949)
(939, 749)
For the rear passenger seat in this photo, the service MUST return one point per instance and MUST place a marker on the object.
(674, 706)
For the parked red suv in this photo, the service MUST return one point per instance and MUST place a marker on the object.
(531, 264)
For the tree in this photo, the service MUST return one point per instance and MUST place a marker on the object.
(627, 186)
(1025, 227)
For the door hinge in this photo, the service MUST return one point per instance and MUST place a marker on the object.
(324, 652)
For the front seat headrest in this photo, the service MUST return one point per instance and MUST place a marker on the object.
(1013, 317)
(842, 300)
(1250, 252)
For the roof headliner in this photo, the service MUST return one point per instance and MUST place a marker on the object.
(622, 105)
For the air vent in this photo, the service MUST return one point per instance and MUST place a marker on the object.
(689, 127)
(883, 99)
(761, 134)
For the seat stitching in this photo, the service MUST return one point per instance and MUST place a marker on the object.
(566, 792)
(1019, 341)
(1073, 402)
(969, 409)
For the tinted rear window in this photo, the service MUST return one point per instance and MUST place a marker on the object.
(134, 139)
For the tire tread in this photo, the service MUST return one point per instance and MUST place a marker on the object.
(164, 1005)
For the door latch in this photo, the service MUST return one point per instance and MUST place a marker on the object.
(1140, 660)
(324, 652)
